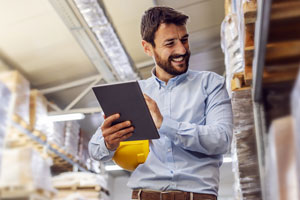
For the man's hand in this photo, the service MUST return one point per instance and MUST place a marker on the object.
(113, 135)
(154, 110)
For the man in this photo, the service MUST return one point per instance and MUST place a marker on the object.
(191, 110)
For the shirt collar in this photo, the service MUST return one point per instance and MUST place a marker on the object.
(172, 82)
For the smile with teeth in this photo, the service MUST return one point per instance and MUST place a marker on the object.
(179, 59)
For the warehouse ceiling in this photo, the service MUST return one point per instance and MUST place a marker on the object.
(38, 40)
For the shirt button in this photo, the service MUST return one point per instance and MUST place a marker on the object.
(169, 150)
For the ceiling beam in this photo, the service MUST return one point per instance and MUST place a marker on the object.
(82, 94)
(69, 85)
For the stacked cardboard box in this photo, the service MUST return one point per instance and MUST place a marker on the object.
(24, 171)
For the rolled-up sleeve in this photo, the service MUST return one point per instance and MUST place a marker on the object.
(98, 149)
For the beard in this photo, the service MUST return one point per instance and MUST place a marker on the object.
(167, 65)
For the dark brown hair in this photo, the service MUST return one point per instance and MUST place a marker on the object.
(155, 16)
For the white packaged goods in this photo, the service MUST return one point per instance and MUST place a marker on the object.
(230, 43)
(5, 96)
(281, 170)
(72, 137)
(20, 90)
(56, 133)
(83, 154)
(244, 144)
(25, 168)
(296, 117)
(80, 185)
(38, 111)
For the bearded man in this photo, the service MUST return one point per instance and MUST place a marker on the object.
(190, 109)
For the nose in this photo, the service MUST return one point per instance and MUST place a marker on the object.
(180, 48)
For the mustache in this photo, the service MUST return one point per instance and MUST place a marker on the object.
(186, 55)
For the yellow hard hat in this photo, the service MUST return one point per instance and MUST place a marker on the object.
(131, 153)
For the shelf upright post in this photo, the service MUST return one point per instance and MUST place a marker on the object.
(261, 39)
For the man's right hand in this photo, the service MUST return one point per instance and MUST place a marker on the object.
(113, 135)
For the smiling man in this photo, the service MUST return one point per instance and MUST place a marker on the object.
(191, 110)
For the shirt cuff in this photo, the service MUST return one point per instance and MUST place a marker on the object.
(169, 128)
(104, 150)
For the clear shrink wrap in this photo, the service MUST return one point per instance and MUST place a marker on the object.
(230, 44)
(25, 168)
(20, 90)
(72, 137)
(38, 111)
(5, 96)
(281, 170)
(83, 154)
(95, 183)
(56, 133)
(296, 117)
(245, 144)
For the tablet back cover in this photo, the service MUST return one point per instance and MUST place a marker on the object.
(127, 99)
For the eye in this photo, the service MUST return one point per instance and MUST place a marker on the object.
(184, 40)
(169, 44)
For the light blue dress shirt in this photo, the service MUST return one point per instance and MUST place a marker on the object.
(195, 132)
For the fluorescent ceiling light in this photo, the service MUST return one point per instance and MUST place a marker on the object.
(227, 159)
(112, 168)
(66, 117)
(97, 21)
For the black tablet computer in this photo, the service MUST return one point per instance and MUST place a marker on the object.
(127, 99)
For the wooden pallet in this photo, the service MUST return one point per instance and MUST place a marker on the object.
(79, 188)
(24, 192)
(283, 46)
(238, 82)
(249, 9)
(276, 75)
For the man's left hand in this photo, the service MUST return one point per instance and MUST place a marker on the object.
(154, 110)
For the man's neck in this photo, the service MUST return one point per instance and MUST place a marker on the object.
(162, 74)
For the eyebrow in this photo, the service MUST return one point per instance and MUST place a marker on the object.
(172, 39)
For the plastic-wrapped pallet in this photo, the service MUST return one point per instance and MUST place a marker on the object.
(296, 117)
(280, 157)
(20, 90)
(72, 137)
(56, 133)
(84, 184)
(245, 142)
(230, 43)
(25, 169)
(5, 96)
(38, 111)
(83, 154)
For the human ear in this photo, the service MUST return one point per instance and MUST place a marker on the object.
(148, 49)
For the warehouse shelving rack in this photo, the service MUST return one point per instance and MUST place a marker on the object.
(76, 165)
(262, 32)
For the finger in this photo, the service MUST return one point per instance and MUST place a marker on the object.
(124, 137)
(109, 120)
(146, 96)
(116, 128)
(122, 133)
